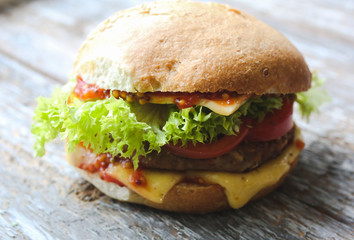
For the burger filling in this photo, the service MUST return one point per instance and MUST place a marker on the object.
(121, 135)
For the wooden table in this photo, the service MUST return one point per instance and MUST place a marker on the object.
(45, 199)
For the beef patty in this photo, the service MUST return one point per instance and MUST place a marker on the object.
(246, 156)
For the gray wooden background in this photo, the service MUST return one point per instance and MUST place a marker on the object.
(45, 199)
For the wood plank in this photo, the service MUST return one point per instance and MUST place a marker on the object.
(46, 35)
(45, 198)
(46, 179)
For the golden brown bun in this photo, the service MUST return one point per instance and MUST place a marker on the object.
(183, 197)
(189, 46)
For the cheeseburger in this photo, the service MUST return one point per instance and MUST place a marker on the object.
(181, 106)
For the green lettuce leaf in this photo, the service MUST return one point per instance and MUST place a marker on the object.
(106, 126)
(153, 114)
(130, 129)
(258, 107)
(199, 124)
(49, 116)
(310, 101)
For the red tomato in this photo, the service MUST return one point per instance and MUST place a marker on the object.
(209, 150)
(274, 125)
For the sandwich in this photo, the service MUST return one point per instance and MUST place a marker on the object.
(181, 106)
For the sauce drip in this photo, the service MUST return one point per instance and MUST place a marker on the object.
(104, 161)
(86, 91)
(299, 144)
(137, 178)
(109, 178)
(186, 101)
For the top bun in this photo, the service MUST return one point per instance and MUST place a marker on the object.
(183, 46)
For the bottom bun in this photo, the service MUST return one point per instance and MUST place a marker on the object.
(183, 197)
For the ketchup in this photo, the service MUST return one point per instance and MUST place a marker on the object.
(299, 144)
(137, 178)
(187, 101)
(104, 161)
(108, 178)
(100, 163)
(86, 91)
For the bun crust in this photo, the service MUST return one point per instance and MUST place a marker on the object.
(183, 197)
(183, 46)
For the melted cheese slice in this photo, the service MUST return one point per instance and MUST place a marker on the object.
(158, 183)
(222, 107)
(239, 187)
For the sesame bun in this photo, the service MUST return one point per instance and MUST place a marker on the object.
(182, 46)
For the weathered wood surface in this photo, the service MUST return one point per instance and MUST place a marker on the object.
(46, 199)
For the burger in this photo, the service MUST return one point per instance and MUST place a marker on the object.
(181, 106)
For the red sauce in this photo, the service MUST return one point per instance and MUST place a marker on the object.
(186, 100)
(100, 163)
(299, 144)
(104, 161)
(85, 91)
(225, 102)
(108, 178)
(137, 178)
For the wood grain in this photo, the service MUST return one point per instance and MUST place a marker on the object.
(45, 199)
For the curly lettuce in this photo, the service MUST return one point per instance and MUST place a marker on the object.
(49, 117)
(199, 124)
(310, 101)
(132, 130)
(129, 129)
(105, 126)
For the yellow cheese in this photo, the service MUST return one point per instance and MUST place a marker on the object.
(239, 187)
(226, 107)
(157, 183)
(222, 107)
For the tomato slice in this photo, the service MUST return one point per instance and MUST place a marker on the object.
(209, 150)
(274, 125)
